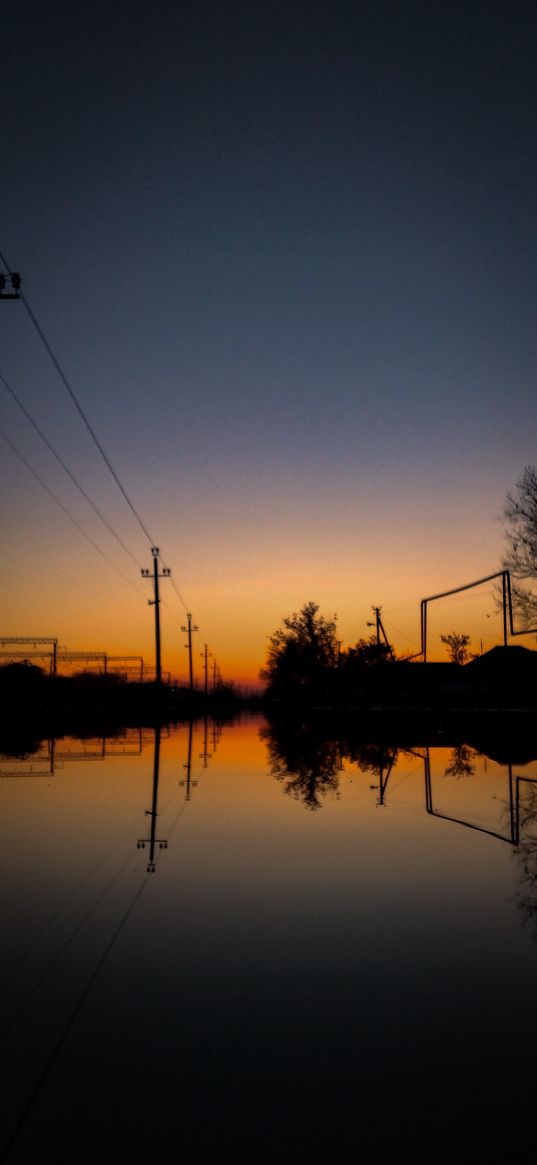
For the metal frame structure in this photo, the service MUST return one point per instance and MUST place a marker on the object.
(507, 607)
(34, 640)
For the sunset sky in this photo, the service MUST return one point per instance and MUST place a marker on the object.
(285, 254)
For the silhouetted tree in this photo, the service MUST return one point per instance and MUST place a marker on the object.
(521, 558)
(366, 652)
(458, 647)
(300, 650)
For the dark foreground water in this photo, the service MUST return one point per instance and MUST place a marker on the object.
(332, 958)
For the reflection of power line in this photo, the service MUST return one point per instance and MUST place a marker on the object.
(71, 937)
(16, 1131)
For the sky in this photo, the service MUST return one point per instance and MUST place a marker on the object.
(285, 255)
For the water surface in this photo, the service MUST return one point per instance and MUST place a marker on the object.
(215, 941)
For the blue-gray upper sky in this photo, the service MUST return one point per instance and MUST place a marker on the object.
(286, 253)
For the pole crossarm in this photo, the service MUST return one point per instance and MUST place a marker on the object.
(14, 279)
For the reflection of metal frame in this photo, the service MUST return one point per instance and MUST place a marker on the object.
(123, 751)
(50, 757)
(519, 780)
(507, 606)
(459, 820)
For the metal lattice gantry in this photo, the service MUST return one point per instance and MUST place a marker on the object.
(34, 640)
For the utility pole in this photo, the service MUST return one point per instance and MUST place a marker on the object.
(205, 654)
(166, 572)
(378, 624)
(215, 674)
(188, 631)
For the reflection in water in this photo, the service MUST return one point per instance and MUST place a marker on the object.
(526, 839)
(308, 767)
(187, 782)
(461, 762)
(274, 944)
(152, 841)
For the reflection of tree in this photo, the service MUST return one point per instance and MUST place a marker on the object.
(308, 767)
(372, 758)
(526, 854)
(461, 761)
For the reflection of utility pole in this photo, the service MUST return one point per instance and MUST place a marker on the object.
(205, 756)
(383, 780)
(152, 840)
(188, 765)
(205, 655)
(189, 629)
(217, 732)
(166, 572)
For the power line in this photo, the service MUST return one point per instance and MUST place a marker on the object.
(93, 435)
(78, 406)
(67, 470)
(68, 514)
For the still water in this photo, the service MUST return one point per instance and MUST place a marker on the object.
(218, 941)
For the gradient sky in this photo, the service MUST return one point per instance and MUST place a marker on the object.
(286, 256)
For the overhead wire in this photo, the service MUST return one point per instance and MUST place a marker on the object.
(78, 406)
(46, 343)
(68, 514)
(66, 469)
